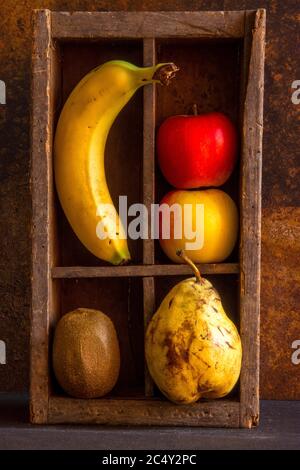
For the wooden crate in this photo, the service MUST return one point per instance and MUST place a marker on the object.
(221, 55)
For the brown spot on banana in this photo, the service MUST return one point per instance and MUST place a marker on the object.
(220, 330)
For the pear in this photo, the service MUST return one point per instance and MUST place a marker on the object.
(193, 350)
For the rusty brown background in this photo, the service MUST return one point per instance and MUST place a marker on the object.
(280, 298)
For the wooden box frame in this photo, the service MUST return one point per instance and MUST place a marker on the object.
(51, 28)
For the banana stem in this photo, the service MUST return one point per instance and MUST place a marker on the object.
(165, 72)
(188, 261)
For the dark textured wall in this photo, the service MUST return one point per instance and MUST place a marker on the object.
(280, 297)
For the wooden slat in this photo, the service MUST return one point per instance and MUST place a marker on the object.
(244, 70)
(222, 413)
(83, 25)
(149, 149)
(140, 271)
(40, 145)
(251, 223)
(149, 308)
(149, 194)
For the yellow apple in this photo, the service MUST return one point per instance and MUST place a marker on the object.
(204, 223)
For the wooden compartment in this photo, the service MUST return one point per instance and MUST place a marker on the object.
(209, 77)
(125, 139)
(221, 56)
(122, 300)
(228, 288)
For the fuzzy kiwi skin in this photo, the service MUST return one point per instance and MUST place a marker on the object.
(86, 354)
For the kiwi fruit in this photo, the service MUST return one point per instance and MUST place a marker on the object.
(86, 353)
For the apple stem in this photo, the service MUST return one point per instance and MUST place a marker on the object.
(195, 109)
(188, 261)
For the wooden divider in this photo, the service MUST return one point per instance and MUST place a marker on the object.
(149, 193)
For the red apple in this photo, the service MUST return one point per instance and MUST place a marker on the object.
(195, 151)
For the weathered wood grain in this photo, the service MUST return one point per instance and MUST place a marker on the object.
(41, 147)
(251, 224)
(147, 24)
(149, 149)
(143, 412)
(61, 272)
(149, 309)
(149, 194)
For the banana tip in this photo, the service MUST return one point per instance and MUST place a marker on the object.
(124, 262)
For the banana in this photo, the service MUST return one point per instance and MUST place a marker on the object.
(79, 145)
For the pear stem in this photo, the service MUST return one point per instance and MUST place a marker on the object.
(195, 109)
(188, 261)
